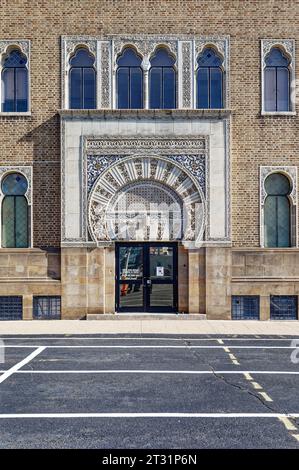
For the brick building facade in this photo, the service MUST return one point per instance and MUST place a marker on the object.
(221, 156)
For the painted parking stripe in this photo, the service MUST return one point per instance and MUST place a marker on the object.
(139, 338)
(141, 371)
(134, 346)
(25, 361)
(146, 415)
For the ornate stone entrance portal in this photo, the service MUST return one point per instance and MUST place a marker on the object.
(146, 198)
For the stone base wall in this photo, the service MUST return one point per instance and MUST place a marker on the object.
(207, 278)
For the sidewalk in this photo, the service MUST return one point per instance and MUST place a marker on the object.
(149, 326)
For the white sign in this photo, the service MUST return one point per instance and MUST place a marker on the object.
(160, 271)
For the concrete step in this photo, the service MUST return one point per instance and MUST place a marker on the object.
(146, 316)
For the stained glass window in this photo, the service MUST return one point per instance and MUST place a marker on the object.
(162, 80)
(15, 83)
(82, 80)
(129, 80)
(277, 211)
(15, 220)
(209, 80)
(277, 81)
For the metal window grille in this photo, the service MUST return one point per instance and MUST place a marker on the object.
(283, 307)
(245, 307)
(47, 308)
(11, 307)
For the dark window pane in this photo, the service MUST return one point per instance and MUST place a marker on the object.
(203, 88)
(8, 222)
(129, 58)
(89, 88)
(21, 222)
(123, 87)
(82, 58)
(282, 89)
(276, 58)
(209, 58)
(76, 89)
(15, 59)
(162, 58)
(21, 90)
(169, 88)
(277, 184)
(270, 89)
(14, 184)
(283, 221)
(216, 88)
(136, 88)
(155, 78)
(8, 84)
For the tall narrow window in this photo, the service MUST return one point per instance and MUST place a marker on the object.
(277, 213)
(15, 83)
(277, 81)
(162, 80)
(15, 214)
(129, 80)
(209, 80)
(82, 80)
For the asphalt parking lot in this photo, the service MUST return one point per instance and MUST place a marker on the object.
(127, 391)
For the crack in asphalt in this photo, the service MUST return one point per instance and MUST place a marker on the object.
(242, 388)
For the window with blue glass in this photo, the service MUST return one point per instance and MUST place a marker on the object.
(276, 81)
(15, 213)
(82, 80)
(129, 79)
(162, 80)
(277, 211)
(209, 80)
(15, 83)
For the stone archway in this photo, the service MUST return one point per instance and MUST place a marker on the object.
(146, 198)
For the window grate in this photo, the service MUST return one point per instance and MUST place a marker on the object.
(283, 307)
(47, 307)
(11, 307)
(245, 307)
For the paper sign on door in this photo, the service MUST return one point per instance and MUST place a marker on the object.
(159, 271)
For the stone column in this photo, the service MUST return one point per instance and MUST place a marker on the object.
(218, 283)
(265, 307)
(182, 279)
(27, 307)
(73, 282)
(109, 279)
(196, 280)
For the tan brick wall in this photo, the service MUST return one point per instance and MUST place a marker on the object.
(255, 140)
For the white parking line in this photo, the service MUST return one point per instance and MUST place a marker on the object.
(154, 371)
(17, 366)
(146, 415)
(134, 346)
(44, 338)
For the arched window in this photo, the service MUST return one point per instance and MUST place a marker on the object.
(15, 82)
(15, 217)
(82, 80)
(162, 80)
(277, 211)
(209, 80)
(277, 81)
(129, 80)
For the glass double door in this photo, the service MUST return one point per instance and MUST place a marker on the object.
(146, 277)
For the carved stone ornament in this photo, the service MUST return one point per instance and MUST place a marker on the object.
(287, 44)
(173, 165)
(23, 44)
